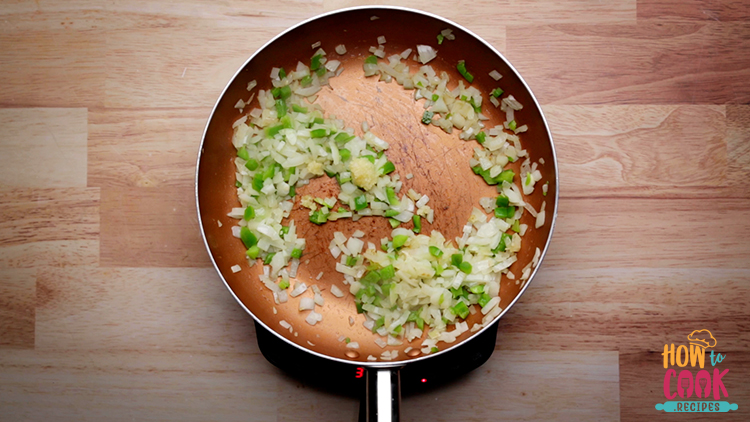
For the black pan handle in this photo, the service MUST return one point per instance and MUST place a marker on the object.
(382, 399)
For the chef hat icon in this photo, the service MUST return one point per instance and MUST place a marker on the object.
(702, 338)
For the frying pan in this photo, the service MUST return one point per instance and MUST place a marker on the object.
(439, 163)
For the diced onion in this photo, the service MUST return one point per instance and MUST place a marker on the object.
(426, 53)
(336, 291)
(306, 304)
(298, 290)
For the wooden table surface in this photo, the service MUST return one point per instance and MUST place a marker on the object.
(110, 310)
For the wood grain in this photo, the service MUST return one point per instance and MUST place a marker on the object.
(738, 147)
(141, 385)
(628, 309)
(177, 67)
(198, 386)
(65, 68)
(58, 227)
(627, 149)
(144, 148)
(17, 308)
(150, 227)
(514, 12)
(469, 15)
(646, 63)
(83, 15)
(43, 147)
(627, 232)
(82, 308)
(694, 10)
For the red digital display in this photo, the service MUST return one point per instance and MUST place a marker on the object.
(360, 372)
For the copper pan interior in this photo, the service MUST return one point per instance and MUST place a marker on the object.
(438, 161)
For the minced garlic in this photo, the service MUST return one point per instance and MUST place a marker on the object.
(364, 173)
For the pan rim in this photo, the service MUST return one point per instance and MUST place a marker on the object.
(400, 363)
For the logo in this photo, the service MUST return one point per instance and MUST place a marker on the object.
(703, 385)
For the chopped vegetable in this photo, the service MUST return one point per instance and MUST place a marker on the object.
(252, 164)
(456, 259)
(505, 212)
(273, 130)
(460, 309)
(360, 202)
(399, 240)
(462, 70)
(249, 213)
(242, 153)
(391, 195)
(426, 53)
(465, 267)
(280, 108)
(283, 92)
(253, 252)
(417, 223)
(435, 251)
(318, 133)
(387, 168)
(315, 62)
(506, 176)
(345, 154)
(387, 273)
(319, 217)
(477, 290)
(343, 137)
(247, 237)
(503, 242)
